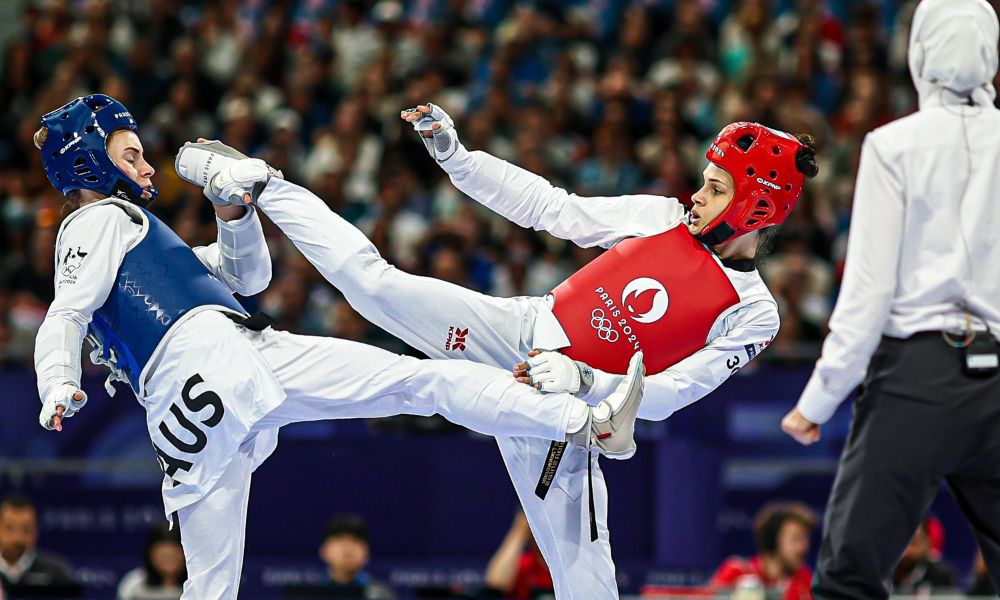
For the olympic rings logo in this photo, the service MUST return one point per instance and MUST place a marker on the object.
(603, 325)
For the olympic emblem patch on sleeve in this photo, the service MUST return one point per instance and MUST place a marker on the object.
(70, 264)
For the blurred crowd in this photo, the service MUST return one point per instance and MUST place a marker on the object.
(516, 571)
(603, 97)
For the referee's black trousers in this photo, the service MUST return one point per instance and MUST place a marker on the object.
(918, 420)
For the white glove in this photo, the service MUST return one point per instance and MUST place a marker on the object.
(62, 395)
(556, 372)
(247, 176)
(443, 141)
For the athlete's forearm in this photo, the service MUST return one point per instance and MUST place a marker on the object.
(244, 261)
(659, 400)
(748, 332)
(532, 201)
(57, 351)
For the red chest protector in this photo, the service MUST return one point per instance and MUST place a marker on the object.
(659, 294)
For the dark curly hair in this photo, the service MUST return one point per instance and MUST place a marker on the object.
(769, 521)
(805, 157)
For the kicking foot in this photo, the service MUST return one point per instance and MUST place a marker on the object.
(611, 427)
(227, 175)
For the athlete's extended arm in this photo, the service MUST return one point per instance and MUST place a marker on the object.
(531, 201)
(88, 253)
(749, 330)
(239, 257)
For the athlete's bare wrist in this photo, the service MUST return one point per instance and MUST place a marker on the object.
(231, 212)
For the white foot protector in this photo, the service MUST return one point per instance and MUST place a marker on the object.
(612, 422)
(225, 174)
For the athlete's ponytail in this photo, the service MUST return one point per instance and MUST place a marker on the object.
(40, 136)
(805, 157)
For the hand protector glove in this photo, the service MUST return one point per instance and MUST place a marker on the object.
(443, 142)
(61, 395)
(232, 184)
(556, 372)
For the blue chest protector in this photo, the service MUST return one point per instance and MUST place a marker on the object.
(159, 281)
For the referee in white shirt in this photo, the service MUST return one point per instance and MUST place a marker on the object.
(920, 309)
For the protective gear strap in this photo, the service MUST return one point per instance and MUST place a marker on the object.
(586, 377)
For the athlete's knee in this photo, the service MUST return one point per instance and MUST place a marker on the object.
(435, 383)
(377, 277)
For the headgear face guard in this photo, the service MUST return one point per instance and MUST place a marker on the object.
(75, 155)
(767, 182)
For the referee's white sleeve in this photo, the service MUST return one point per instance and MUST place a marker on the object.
(869, 283)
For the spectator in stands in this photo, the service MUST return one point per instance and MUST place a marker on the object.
(982, 585)
(517, 568)
(917, 572)
(782, 535)
(319, 99)
(23, 568)
(345, 551)
(162, 574)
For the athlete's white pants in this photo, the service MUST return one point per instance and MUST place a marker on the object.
(329, 378)
(421, 311)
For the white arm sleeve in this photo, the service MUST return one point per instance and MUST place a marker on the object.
(88, 253)
(531, 201)
(866, 294)
(240, 257)
(749, 328)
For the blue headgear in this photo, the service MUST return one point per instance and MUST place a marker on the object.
(75, 154)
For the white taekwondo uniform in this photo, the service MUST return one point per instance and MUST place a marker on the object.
(215, 391)
(739, 320)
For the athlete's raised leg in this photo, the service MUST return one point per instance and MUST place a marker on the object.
(423, 312)
(441, 319)
(329, 378)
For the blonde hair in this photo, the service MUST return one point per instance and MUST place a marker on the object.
(40, 136)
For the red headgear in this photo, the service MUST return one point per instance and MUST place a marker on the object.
(767, 181)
